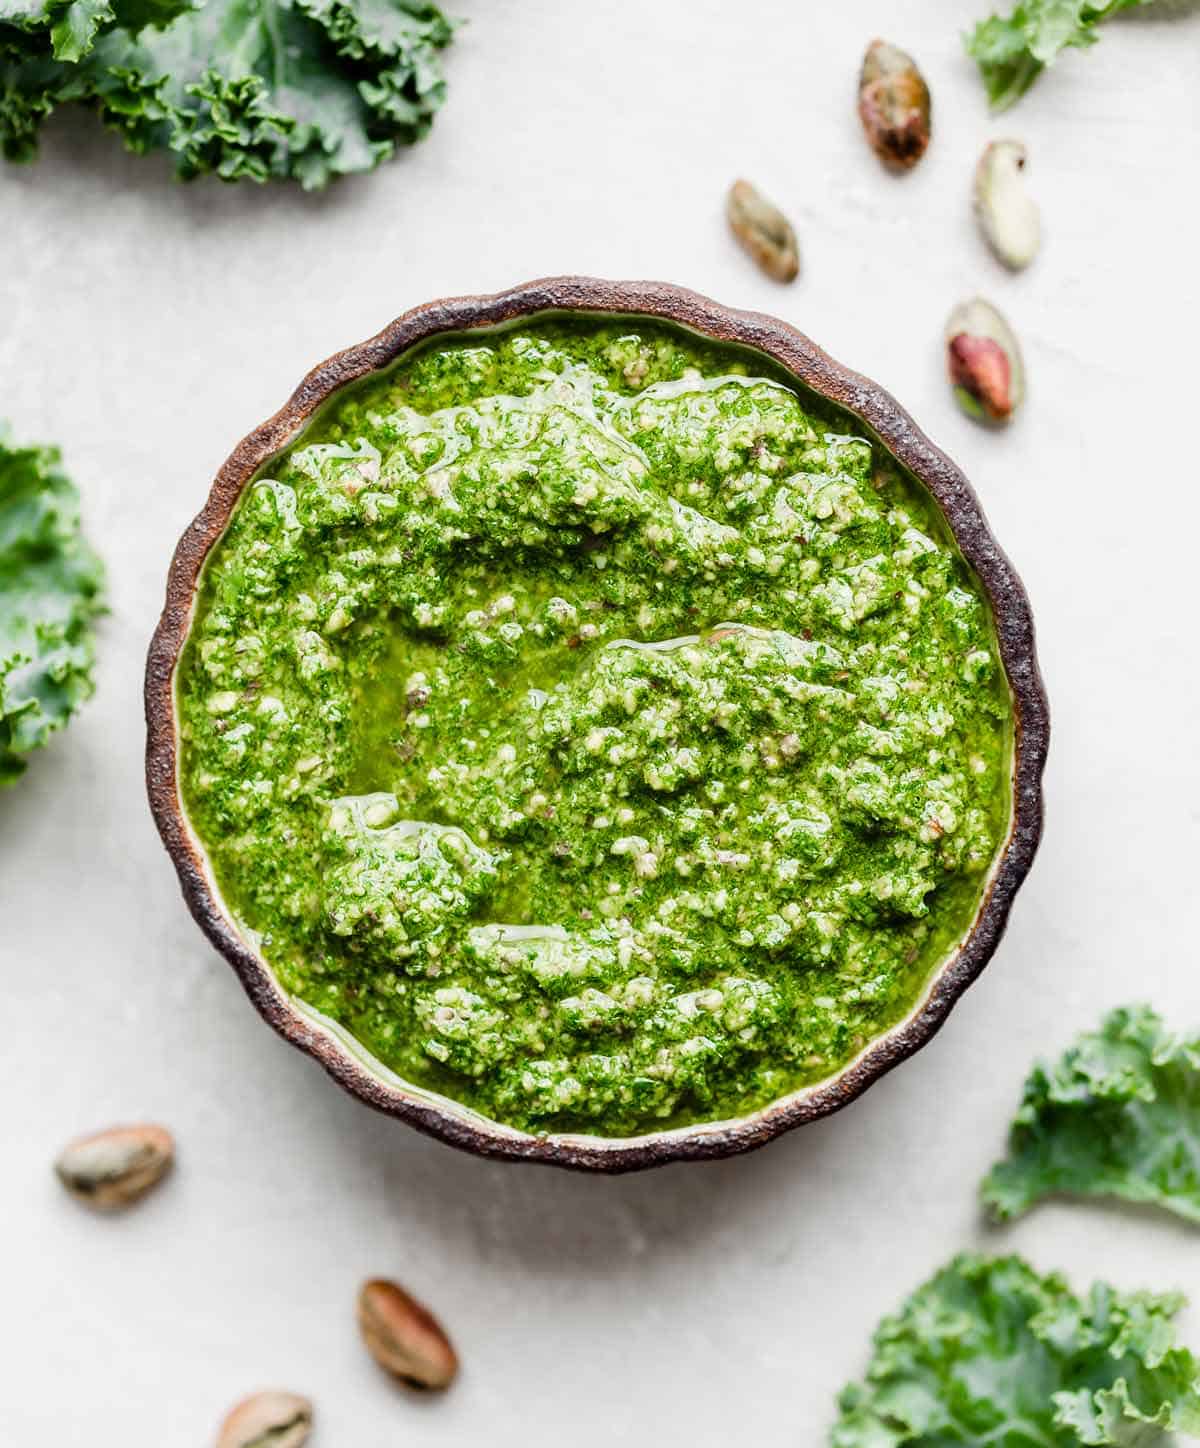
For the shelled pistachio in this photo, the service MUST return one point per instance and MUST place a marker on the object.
(895, 105)
(764, 231)
(1007, 216)
(404, 1337)
(114, 1168)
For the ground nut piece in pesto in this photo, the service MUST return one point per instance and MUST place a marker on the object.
(604, 732)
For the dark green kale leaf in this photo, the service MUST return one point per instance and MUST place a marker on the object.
(989, 1351)
(1118, 1115)
(247, 89)
(50, 582)
(31, 85)
(1013, 51)
(41, 45)
(66, 30)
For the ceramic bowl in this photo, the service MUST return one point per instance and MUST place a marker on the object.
(344, 1059)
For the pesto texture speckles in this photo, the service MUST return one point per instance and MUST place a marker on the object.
(603, 732)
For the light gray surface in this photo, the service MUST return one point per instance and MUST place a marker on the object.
(147, 327)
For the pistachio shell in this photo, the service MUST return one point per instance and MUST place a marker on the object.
(114, 1168)
(268, 1420)
(404, 1337)
(983, 358)
(895, 106)
(1007, 216)
(764, 231)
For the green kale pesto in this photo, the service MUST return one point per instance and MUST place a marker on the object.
(601, 729)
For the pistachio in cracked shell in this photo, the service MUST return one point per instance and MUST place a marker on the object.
(268, 1420)
(983, 359)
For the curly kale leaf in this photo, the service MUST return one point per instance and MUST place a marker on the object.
(989, 1351)
(66, 30)
(41, 45)
(30, 87)
(50, 583)
(1118, 1115)
(1013, 51)
(251, 89)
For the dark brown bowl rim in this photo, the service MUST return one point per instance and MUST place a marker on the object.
(814, 369)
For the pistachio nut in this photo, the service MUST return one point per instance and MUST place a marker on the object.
(983, 358)
(764, 231)
(405, 1338)
(268, 1420)
(114, 1168)
(894, 104)
(1007, 216)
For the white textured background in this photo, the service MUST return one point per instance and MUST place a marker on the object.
(147, 327)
